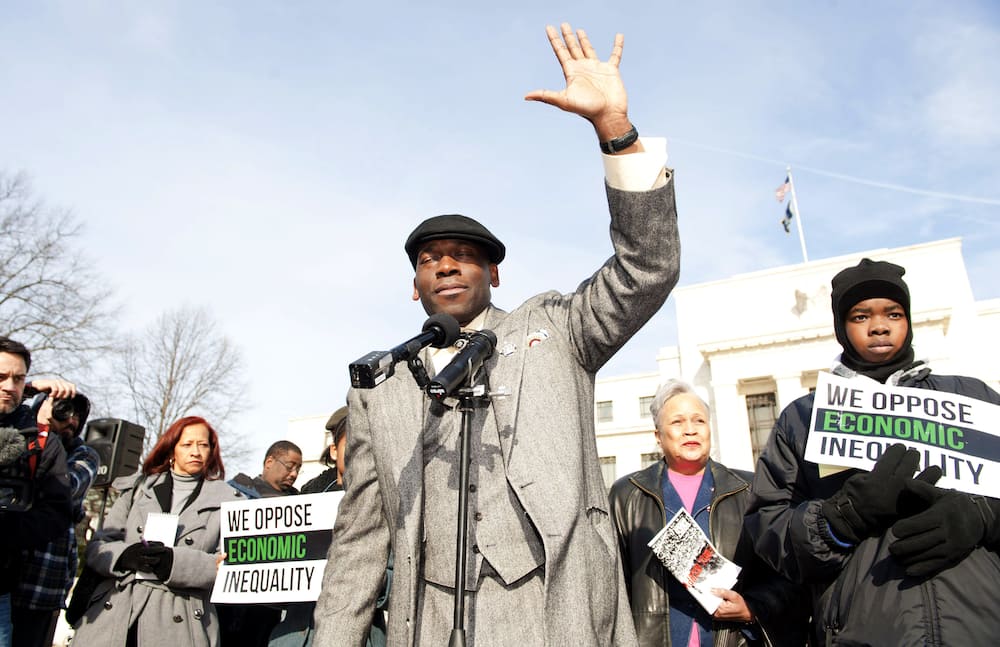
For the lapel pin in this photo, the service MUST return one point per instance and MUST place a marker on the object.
(537, 337)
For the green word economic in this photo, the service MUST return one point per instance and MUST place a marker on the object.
(870, 424)
(266, 548)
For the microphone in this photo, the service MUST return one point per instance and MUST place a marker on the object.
(16, 487)
(464, 366)
(439, 330)
(12, 445)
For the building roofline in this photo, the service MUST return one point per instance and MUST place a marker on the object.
(834, 261)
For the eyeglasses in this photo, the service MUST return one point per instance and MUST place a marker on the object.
(292, 469)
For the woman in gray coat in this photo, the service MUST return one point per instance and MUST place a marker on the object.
(157, 594)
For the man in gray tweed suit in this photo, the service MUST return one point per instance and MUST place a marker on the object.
(543, 559)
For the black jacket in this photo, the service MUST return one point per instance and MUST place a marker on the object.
(638, 513)
(861, 596)
(257, 487)
(51, 509)
(325, 482)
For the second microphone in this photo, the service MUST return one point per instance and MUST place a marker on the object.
(463, 368)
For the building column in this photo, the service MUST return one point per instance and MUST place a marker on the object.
(789, 388)
(732, 440)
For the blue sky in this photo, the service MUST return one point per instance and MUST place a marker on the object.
(266, 160)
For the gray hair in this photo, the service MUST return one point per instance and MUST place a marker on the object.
(671, 389)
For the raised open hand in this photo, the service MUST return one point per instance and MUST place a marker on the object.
(594, 88)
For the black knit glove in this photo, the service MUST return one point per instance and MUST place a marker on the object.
(135, 558)
(150, 558)
(946, 532)
(867, 503)
(161, 560)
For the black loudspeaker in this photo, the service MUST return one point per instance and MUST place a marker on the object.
(119, 443)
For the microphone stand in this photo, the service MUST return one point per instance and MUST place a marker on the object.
(469, 398)
(416, 366)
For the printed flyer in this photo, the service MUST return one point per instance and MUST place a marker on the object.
(693, 560)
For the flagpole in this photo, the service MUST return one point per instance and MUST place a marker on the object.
(798, 216)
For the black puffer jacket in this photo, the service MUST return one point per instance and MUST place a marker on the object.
(861, 596)
(638, 513)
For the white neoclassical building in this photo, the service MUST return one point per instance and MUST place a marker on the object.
(754, 342)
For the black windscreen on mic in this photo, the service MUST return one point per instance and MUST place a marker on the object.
(367, 372)
(463, 367)
(16, 491)
(445, 328)
(12, 445)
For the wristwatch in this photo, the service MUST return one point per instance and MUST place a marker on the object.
(618, 144)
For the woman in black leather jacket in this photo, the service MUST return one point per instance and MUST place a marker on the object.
(763, 608)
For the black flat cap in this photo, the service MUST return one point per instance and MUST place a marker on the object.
(453, 226)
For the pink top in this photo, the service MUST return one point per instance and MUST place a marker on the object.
(687, 488)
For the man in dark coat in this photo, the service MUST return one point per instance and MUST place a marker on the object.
(27, 459)
(49, 569)
(890, 559)
(282, 463)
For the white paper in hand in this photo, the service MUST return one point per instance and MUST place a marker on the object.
(693, 560)
(161, 527)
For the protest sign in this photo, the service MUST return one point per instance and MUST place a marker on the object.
(854, 421)
(693, 560)
(275, 548)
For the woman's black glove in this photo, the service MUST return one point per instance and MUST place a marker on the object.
(134, 558)
(161, 559)
(946, 532)
(868, 503)
(153, 557)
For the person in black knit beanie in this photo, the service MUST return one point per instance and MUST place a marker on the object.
(891, 558)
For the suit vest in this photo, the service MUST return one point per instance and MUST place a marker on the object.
(500, 531)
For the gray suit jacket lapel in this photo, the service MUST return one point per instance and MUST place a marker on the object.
(505, 368)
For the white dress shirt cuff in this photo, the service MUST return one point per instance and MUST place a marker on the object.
(638, 171)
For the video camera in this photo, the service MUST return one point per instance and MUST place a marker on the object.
(118, 442)
(62, 408)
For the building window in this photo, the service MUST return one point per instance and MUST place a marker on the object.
(762, 411)
(608, 470)
(645, 403)
(651, 458)
(604, 412)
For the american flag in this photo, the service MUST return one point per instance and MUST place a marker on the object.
(782, 191)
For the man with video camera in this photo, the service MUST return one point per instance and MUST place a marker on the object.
(34, 486)
(49, 569)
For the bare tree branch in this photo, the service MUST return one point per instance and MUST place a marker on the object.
(50, 297)
(179, 366)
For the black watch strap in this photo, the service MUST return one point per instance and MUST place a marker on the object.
(618, 144)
